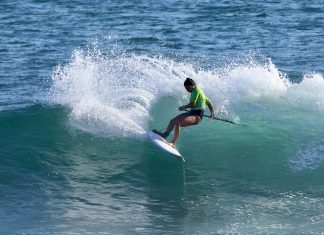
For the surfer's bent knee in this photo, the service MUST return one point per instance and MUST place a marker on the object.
(198, 120)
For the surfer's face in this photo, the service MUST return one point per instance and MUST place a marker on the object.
(189, 88)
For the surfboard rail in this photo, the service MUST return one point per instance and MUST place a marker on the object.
(164, 145)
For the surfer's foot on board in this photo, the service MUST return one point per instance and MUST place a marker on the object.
(172, 144)
(163, 135)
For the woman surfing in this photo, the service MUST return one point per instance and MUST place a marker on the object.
(197, 104)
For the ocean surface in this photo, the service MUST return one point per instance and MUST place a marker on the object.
(81, 83)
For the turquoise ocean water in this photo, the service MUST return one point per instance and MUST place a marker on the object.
(82, 82)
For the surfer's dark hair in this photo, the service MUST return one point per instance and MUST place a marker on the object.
(189, 82)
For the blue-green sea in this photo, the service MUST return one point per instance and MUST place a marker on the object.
(82, 82)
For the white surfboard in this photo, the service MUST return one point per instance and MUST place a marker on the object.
(163, 144)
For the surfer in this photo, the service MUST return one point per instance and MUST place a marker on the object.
(197, 104)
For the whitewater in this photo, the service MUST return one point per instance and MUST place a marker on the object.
(128, 95)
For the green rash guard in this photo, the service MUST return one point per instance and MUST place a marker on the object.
(198, 96)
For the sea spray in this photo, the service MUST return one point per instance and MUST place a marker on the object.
(113, 95)
(308, 94)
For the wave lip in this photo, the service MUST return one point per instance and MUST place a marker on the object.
(308, 94)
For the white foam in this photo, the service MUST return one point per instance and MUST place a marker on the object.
(308, 94)
(257, 80)
(309, 157)
(113, 95)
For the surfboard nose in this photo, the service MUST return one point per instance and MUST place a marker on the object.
(164, 145)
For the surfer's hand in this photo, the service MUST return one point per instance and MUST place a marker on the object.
(212, 115)
(181, 108)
